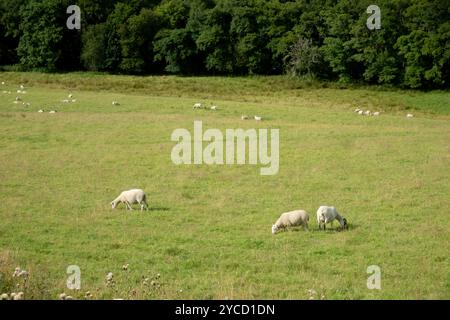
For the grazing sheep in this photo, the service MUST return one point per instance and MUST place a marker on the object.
(327, 214)
(244, 117)
(258, 118)
(40, 111)
(376, 113)
(70, 96)
(361, 112)
(115, 103)
(367, 113)
(410, 115)
(18, 99)
(130, 197)
(197, 105)
(52, 111)
(22, 87)
(4, 296)
(65, 101)
(357, 110)
(290, 219)
(213, 107)
(3, 82)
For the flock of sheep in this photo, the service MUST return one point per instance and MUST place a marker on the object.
(325, 214)
(362, 112)
(200, 105)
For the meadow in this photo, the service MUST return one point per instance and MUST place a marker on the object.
(207, 234)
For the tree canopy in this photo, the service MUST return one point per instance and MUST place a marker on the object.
(322, 39)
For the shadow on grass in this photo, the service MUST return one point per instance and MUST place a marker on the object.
(158, 209)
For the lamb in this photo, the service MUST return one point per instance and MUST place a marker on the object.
(290, 219)
(327, 214)
(130, 197)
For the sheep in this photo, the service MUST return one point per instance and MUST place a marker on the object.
(244, 117)
(258, 118)
(3, 83)
(40, 110)
(22, 87)
(291, 218)
(410, 115)
(361, 112)
(197, 105)
(18, 99)
(115, 103)
(131, 196)
(376, 113)
(213, 107)
(65, 101)
(52, 111)
(327, 214)
(4, 296)
(70, 96)
(367, 113)
(357, 110)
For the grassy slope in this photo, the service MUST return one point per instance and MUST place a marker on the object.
(208, 231)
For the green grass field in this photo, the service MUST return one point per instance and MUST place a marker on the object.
(208, 230)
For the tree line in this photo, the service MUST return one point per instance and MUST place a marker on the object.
(320, 39)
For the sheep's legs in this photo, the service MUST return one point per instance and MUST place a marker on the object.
(128, 205)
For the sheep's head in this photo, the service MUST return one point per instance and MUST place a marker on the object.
(274, 229)
(113, 204)
(344, 223)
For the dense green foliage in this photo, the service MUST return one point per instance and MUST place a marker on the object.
(323, 39)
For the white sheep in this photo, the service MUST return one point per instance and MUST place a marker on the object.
(244, 117)
(367, 113)
(213, 107)
(326, 214)
(115, 103)
(4, 296)
(376, 113)
(197, 105)
(52, 111)
(361, 112)
(70, 96)
(291, 219)
(40, 110)
(130, 197)
(410, 115)
(258, 118)
(357, 110)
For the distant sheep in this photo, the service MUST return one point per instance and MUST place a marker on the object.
(130, 197)
(213, 107)
(410, 115)
(115, 103)
(197, 105)
(244, 117)
(376, 113)
(326, 214)
(258, 118)
(291, 219)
